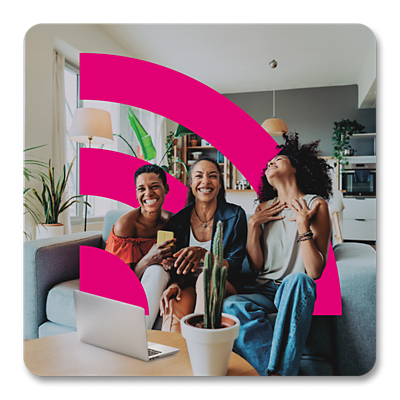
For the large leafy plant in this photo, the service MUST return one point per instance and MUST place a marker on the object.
(146, 143)
(31, 171)
(342, 132)
(51, 196)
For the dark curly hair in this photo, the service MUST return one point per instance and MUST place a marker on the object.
(221, 194)
(151, 168)
(312, 172)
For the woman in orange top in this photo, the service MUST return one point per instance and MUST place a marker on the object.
(133, 238)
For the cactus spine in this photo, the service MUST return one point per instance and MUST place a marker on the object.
(215, 275)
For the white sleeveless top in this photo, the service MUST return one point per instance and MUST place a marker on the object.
(205, 245)
(282, 253)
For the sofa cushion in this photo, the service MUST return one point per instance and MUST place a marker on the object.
(50, 329)
(60, 307)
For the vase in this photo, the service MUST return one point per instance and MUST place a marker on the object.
(209, 349)
(49, 230)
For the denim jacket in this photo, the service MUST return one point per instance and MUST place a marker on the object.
(234, 222)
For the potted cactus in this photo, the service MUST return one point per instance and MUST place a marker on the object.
(210, 336)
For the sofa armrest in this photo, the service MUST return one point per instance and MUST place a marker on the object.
(48, 262)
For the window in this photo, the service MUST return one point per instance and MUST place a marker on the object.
(154, 124)
(71, 79)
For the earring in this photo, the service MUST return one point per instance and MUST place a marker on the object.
(273, 188)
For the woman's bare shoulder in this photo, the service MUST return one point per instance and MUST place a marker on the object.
(126, 224)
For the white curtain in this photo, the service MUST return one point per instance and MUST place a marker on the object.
(59, 135)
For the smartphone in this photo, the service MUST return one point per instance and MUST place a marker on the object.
(163, 236)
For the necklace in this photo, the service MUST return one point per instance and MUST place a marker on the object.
(204, 222)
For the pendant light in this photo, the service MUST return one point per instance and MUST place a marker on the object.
(274, 126)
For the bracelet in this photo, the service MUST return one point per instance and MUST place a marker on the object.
(304, 236)
(303, 239)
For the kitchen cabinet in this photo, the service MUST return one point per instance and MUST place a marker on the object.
(359, 219)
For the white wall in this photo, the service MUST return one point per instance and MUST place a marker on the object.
(243, 199)
(40, 41)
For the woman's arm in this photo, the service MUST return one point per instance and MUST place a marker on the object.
(255, 253)
(314, 251)
(156, 255)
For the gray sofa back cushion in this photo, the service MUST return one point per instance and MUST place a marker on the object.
(109, 220)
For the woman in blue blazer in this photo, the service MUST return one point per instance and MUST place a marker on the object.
(194, 228)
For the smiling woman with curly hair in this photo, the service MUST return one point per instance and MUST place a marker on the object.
(287, 246)
(312, 172)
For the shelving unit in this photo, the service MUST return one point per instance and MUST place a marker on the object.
(229, 171)
(372, 136)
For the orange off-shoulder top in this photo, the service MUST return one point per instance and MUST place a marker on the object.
(129, 250)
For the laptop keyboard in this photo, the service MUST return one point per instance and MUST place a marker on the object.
(153, 352)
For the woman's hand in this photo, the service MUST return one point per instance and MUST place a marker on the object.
(159, 252)
(302, 213)
(172, 290)
(268, 214)
(188, 259)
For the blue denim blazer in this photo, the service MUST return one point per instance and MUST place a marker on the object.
(234, 222)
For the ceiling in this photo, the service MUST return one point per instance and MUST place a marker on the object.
(234, 58)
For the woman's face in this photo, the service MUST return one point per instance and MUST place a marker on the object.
(150, 191)
(205, 181)
(279, 166)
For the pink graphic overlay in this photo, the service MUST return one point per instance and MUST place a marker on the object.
(110, 174)
(182, 99)
(103, 274)
(328, 289)
(142, 84)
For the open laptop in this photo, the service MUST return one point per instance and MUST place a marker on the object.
(115, 326)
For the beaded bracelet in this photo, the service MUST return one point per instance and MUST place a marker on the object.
(303, 239)
(305, 236)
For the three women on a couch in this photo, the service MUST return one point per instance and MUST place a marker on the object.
(287, 245)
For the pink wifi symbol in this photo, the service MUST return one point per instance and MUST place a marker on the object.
(213, 117)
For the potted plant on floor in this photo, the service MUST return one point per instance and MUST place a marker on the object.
(51, 202)
(210, 336)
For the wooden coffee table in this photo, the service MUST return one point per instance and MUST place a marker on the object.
(66, 355)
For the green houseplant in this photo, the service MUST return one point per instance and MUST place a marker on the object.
(32, 170)
(342, 133)
(51, 197)
(147, 146)
(210, 337)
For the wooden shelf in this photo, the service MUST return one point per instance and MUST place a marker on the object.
(200, 147)
(245, 190)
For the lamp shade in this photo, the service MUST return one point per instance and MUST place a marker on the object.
(275, 126)
(91, 123)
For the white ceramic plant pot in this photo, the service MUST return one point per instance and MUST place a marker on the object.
(210, 349)
(49, 230)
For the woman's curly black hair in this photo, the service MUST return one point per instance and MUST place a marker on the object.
(312, 172)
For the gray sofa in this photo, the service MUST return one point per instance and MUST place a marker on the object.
(336, 345)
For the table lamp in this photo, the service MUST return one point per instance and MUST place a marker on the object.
(91, 126)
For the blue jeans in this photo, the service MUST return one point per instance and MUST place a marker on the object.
(276, 350)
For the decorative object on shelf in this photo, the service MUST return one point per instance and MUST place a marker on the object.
(51, 202)
(220, 157)
(342, 132)
(91, 126)
(193, 140)
(210, 337)
(274, 126)
(196, 155)
(204, 143)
